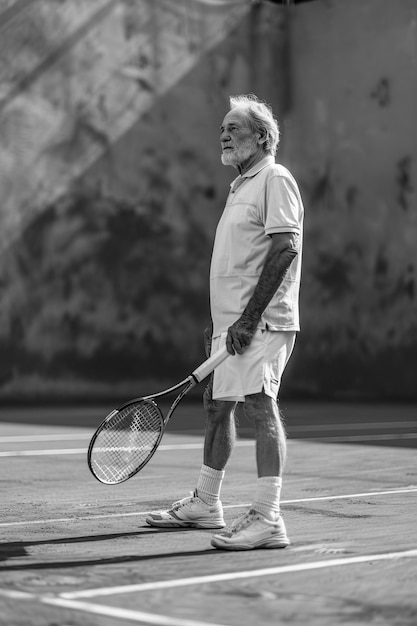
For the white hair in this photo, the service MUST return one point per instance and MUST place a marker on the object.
(260, 118)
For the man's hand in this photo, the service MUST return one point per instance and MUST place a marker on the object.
(240, 334)
(282, 251)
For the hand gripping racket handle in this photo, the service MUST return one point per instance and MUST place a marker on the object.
(208, 366)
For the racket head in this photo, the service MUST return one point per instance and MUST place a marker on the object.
(125, 441)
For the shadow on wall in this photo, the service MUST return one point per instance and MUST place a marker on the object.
(108, 285)
(95, 290)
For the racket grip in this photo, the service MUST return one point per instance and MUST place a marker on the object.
(208, 366)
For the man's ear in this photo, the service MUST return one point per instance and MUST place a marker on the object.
(262, 138)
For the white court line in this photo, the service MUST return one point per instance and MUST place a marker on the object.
(127, 614)
(70, 600)
(108, 611)
(226, 506)
(57, 437)
(162, 448)
(293, 429)
(63, 451)
(197, 446)
(215, 578)
(189, 446)
(352, 495)
(14, 594)
(352, 426)
(369, 437)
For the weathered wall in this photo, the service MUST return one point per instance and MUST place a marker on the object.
(352, 142)
(104, 253)
(111, 186)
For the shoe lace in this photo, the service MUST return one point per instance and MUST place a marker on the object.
(244, 521)
(177, 505)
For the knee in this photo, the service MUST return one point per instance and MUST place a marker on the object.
(257, 406)
(262, 411)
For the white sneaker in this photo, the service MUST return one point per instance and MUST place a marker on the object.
(250, 531)
(190, 512)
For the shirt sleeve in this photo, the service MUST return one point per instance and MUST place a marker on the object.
(280, 206)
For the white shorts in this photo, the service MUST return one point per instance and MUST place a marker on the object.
(260, 367)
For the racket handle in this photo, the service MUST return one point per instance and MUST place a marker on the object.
(208, 366)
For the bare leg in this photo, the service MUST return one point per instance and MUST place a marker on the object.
(271, 445)
(220, 431)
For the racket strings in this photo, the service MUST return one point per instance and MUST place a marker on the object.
(126, 441)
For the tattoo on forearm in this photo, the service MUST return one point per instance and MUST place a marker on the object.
(273, 273)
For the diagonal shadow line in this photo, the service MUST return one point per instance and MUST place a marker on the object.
(12, 11)
(90, 538)
(52, 58)
(129, 558)
(15, 549)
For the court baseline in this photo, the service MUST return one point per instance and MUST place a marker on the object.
(70, 600)
(213, 578)
(292, 428)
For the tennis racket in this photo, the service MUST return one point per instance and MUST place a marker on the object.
(129, 436)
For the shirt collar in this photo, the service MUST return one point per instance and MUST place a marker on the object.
(253, 170)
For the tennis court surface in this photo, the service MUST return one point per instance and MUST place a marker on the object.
(75, 552)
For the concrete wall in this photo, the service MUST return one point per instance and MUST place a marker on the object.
(103, 266)
(112, 186)
(352, 142)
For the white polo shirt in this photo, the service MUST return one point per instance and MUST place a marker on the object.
(263, 201)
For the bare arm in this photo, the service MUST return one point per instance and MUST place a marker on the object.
(283, 249)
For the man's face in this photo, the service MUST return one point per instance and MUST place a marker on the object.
(239, 142)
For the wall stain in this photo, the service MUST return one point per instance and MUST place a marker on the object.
(322, 188)
(403, 180)
(382, 93)
(333, 273)
(352, 193)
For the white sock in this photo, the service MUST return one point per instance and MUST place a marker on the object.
(267, 496)
(209, 484)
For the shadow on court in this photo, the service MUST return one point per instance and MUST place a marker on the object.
(349, 513)
(16, 549)
(19, 549)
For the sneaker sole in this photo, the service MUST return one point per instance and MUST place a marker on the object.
(261, 544)
(183, 524)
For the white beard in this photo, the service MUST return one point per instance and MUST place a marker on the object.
(239, 154)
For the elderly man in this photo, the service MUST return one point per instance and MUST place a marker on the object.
(254, 290)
